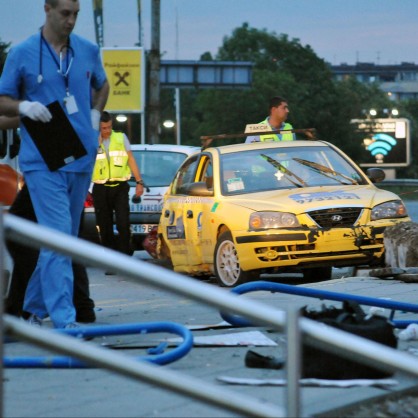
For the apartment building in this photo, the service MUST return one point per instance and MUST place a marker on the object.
(399, 81)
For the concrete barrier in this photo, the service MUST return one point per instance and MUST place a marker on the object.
(401, 245)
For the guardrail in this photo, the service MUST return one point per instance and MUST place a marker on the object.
(314, 334)
(400, 182)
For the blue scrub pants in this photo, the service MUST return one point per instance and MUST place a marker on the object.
(58, 199)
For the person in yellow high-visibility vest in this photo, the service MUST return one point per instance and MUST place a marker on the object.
(278, 112)
(115, 164)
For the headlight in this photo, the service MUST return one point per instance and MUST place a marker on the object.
(267, 220)
(395, 209)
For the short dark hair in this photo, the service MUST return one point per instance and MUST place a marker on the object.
(54, 3)
(106, 117)
(276, 101)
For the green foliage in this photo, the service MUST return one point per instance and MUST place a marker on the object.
(283, 67)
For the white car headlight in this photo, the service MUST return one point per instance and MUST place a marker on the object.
(394, 209)
(267, 220)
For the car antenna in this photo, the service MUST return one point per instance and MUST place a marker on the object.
(310, 133)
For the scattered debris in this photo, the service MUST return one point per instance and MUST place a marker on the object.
(382, 383)
(406, 274)
(250, 338)
(401, 245)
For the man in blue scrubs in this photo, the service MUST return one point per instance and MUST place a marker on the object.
(55, 65)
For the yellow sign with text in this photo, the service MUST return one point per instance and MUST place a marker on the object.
(125, 72)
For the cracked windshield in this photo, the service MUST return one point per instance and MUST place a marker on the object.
(268, 169)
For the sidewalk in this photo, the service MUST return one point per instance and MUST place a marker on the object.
(98, 393)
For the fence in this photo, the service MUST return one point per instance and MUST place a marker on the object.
(328, 339)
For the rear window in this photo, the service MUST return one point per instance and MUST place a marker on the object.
(158, 167)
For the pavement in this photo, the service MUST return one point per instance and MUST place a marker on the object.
(92, 392)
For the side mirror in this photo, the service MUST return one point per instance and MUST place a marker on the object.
(376, 175)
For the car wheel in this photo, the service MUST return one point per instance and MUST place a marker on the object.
(317, 274)
(227, 268)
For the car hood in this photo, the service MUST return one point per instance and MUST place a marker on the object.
(301, 199)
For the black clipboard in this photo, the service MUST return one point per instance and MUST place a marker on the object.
(56, 140)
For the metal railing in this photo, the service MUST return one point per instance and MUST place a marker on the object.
(314, 334)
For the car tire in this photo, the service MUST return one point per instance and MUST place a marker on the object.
(227, 268)
(317, 274)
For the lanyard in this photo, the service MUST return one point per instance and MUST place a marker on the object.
(69, 61)
(282, 125)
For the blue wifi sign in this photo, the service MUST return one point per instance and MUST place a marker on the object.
(384, 142)
(381, 145)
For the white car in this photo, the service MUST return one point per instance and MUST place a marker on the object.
(157, 163)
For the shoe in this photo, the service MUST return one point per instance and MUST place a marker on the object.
(85, 316)
(76, 326)
(110, 273)
(34, 320)
(258, 361)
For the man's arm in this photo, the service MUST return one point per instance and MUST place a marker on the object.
(99, 99)
(135, 172)
(9, 106)
(7, 122)
(33, 110)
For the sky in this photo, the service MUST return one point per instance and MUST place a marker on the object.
(339, 31)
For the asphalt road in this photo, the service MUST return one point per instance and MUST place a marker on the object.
(119, 300)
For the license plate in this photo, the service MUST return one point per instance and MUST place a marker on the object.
(142, 228)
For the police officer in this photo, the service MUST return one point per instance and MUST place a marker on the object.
(115, 164)
(278, 111)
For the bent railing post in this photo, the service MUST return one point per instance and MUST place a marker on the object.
(139, 370)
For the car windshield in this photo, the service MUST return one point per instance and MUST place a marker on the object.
(294, 167)
(157, 167)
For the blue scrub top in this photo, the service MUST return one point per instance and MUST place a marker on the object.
(19, 80)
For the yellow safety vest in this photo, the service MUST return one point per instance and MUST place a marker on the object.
(114, 168)
(277, 137)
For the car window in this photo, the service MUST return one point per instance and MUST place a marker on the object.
(207, 172)
(293, 167)
(158, 167)
(185, 176)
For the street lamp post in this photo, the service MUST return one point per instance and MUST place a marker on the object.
(169, 124)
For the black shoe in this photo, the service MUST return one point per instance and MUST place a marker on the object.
(85, 316)
(258, 361)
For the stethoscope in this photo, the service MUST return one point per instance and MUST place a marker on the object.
(60, 66)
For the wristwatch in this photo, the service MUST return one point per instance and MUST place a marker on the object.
(141, 182)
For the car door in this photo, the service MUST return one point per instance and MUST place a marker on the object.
(183, 216)
(174, 214)
(198, 214)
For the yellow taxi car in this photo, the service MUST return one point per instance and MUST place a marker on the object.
(238, 211)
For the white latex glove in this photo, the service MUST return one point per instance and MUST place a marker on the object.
(35, 111)
(95, 119)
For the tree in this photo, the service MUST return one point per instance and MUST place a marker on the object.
(284, 67)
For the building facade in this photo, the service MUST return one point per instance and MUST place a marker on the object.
(400, 81)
